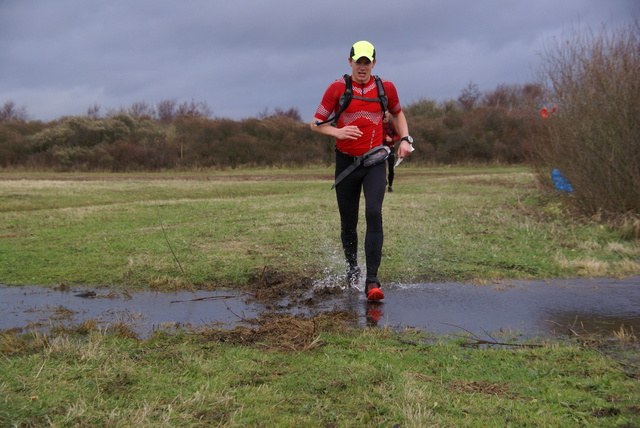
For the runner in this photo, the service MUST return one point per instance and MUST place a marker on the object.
(357, 130)
(390, 139)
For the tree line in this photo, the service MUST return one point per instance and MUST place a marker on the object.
(474, 128)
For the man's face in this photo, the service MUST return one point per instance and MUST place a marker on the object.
(361, 69)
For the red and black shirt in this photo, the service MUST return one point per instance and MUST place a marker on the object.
(366, 115)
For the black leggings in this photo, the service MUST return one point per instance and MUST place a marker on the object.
(372, 181)
(391, 160)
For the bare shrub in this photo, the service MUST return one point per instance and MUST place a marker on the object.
(93, 111)
(166, 110)
(428, 109)
(291, 113)
(593, 139)
(194, 108)
(469, 96)
(10, 112)
(483, 134)
(514, 96)
(140, 109)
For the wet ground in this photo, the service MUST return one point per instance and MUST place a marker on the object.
(523, 309)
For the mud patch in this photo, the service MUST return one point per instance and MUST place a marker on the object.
(271, 287)
(285, 332)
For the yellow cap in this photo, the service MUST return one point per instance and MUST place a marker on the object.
(363, 49)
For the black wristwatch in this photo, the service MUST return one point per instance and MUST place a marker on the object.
(407, 139)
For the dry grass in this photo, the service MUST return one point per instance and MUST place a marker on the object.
(626, 335)
(284, 332)
(591, 267)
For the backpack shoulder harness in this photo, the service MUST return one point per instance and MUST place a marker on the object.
(347, 96)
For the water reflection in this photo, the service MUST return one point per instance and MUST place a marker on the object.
(43, 308)
(595, 306)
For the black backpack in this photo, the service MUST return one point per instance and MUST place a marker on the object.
(347, 96)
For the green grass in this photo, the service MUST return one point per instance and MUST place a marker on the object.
(465, 224)
(370, 377)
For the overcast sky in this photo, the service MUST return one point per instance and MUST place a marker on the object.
(60, 57)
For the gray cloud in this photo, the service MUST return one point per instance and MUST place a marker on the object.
(61, 56)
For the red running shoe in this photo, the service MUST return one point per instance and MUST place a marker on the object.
(374, 293)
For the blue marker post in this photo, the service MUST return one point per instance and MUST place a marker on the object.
(561, 183)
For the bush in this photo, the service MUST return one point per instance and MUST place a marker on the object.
(13, 141)
(81, 143)
(482, 134)
(593, 138)
(183, 136)
(80, 131)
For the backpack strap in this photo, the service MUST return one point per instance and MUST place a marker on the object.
(347, 96)
(382, 95)
(345, 100)
(357, 160)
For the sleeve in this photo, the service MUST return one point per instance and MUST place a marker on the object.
(392, 95)
(330, 100)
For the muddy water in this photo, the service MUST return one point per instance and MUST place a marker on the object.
(593, 306)
(43, 308)
(522, 308)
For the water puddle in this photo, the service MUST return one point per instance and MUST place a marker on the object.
(577, 306)
(43, 308)
(525, 308)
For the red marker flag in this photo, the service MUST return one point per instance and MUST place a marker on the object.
(546, 113)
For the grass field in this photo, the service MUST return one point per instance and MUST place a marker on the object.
(223, 228)
(370, 377)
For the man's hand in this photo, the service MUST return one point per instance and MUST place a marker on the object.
(345, 133)
(405, 149)
(349, 133)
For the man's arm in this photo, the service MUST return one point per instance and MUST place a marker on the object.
(402, 128)
(345, 133)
